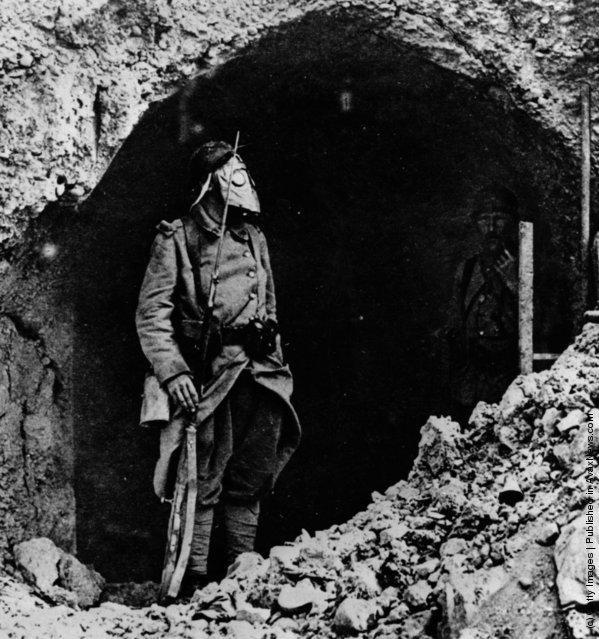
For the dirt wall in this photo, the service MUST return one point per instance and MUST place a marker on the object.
(36, 473)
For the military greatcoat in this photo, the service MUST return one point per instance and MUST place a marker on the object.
(485, 334)
(169, 311)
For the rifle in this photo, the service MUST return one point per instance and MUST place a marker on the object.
(174, 568)
(208, 318)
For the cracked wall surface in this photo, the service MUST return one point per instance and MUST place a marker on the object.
(36, 433)
(77, 76)
(36, 494)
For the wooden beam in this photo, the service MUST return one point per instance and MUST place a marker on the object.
(525, 296)
(585, 190)
(545, 357)
(595, 267)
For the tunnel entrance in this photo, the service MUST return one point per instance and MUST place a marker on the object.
(366, 158)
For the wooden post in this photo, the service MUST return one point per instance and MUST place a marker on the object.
(595, 267)
(585, 199)
(525, 296)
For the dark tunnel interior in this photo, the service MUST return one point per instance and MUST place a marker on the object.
(366, 157)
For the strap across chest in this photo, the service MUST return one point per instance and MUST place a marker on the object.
(194, 250)
(194, 241)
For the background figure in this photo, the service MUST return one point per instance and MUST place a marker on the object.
(483, 327)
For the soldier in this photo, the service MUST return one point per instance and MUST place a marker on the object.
(246, 426)
(483, 331)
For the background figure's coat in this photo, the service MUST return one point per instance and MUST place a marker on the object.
(484, 338)
(169, 312)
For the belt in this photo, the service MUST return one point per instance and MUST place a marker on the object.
(231, 335)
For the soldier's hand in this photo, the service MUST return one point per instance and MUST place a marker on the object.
(507, 269)
(183, 392)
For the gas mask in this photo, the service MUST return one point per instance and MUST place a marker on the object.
(242, 191)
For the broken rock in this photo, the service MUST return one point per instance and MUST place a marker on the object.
(571, 420)
(248, 565)
(507, 437)
(38, 560)
(364, 579)
(415, 625)
(85, 583)
(463, 595)
(439, 446)
(252, 614)
(547, 533)
(453, 546)
(353, 615)
(583, 444)
(451, 497)
(512, 400)
(562, 455)
(550, 419)
(60, 576)
(427, 567)
(242, 630)
(571, 560)
(394, 533)
(417, 594)
(284, 556)
(301, 598)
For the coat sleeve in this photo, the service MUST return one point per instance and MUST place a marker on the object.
(153, 317)
(271, 300)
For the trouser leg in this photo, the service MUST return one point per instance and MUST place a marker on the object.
(214, 446)
(256, 421)
(241, 525)
(200, 543)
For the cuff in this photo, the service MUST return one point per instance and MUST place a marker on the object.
(171, 369)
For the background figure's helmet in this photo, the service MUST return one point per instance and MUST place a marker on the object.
(496, 197)
(211, 165)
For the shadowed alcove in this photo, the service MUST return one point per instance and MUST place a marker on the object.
(367, 158)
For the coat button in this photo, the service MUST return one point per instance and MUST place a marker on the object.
(247, 254)
(251, 273)
(252, 296)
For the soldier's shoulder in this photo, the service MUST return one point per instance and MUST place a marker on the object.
(169, 228)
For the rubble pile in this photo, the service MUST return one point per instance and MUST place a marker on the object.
(485, 539)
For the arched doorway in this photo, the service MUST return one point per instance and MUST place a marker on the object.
(366, 157)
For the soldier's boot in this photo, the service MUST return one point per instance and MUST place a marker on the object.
(241, 524)
(196, 575)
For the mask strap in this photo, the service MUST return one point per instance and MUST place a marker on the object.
(203, 192)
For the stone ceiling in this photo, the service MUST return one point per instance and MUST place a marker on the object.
(76, 77)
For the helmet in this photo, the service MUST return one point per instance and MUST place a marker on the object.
(216, 165)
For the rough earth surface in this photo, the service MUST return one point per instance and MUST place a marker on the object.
(77, 76)
(485, 539)
(36, 467)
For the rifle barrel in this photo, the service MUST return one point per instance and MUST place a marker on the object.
(207, 319)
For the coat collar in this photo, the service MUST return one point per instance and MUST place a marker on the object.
(240, 231)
